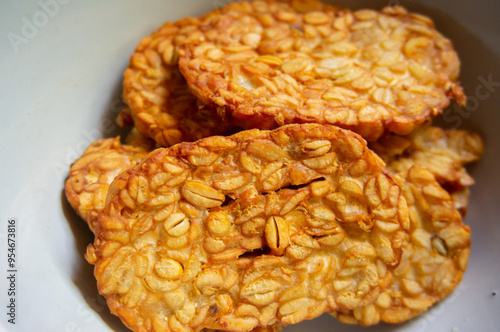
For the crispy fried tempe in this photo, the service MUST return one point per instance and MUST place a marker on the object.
(91, 174)
(161, 105)
(461, 199)
(442, 152)
(239, 232)
(435, 254)
(272, 328)
(430, 268)
(107, 159)
(263, 64)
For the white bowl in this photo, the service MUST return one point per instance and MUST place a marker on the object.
(61, 65)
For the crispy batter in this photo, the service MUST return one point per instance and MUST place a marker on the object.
(273, 328)
(263, 64)
(461, 199)
(91, 174)
(249, 230)
(161, 105)
(435, 254)
(96, 169)
(429, 270)
(443, 152)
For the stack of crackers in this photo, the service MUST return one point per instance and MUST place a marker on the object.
(282, 164)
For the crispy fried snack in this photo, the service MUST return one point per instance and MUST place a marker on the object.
(435, 254)
(258, 228)
(91, 174)
(461, 199)
(431, 266)
(263, 64)
(161, 105)
(442, 152)
(272, 328)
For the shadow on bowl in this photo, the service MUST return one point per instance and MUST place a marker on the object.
(83, 275)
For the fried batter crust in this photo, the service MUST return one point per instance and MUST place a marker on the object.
(91, 174)
(160, 103)
(425, 163)
(239, 232)
(435, 254)
(263, 64)
(443, 152)
(96, 169)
